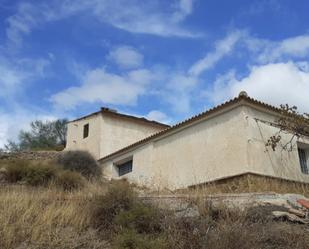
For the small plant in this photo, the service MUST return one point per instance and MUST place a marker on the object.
(130, 239)
(32, 174)
(119, 197)
(39, 174)
(80, 161)
(16, 171)
(68, 180)
(142, 218)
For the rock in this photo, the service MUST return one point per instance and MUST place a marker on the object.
(297, 212)
(304, 203)
(290, 217)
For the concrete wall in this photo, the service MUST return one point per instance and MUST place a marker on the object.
(107, 134)
(262, 160)
(229, 144)
(203, 152)
(117, 133)
(75, 140)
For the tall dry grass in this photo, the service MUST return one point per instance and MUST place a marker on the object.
(37, 217)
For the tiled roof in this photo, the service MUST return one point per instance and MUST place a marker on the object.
(242, 97)
(114, 113)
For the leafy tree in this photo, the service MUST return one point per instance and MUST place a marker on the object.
(291, 122)
(42, 135)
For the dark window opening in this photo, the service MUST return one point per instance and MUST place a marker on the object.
(303, 159)
(86, 130)
(125, 168)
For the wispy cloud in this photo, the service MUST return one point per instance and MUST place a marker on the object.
(136, 17)
(294, 47)
(222, 48)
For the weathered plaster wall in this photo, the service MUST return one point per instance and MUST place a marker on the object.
(206, 151)
(75, 140)
(106, 134)
(279, 163)
(117, 133)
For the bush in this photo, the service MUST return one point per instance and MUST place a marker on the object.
(119, 197)
(32, 174)
(16, 171)
(129, 239)
(68, 180)
(80, 161)
(40, 174)
(141, 218)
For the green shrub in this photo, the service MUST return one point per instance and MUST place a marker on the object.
(39, 174)
(130, 239)
(142, 218)
(80, 161)
(16, 170)
(68, 180)
(119, 197)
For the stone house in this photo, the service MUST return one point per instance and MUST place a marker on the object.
(221, 143)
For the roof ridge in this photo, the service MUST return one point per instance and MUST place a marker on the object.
(116, 113)
(241, 96)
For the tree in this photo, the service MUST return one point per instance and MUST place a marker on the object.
(43, 135)
(291, 122)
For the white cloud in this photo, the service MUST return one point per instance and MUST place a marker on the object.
(19, 119)
(276, 83)
(295, 47)
(222, 48)
(15, 75)
(126, 57)
(101, 86)
(158, 116)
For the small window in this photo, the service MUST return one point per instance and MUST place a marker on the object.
(125, 168)
(303, 159)
(86, 130)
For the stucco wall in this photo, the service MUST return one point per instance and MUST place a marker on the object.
(278, 163)
(229, 144)
(117, 133)
(203, 152)
(75, 140)
(106, 134)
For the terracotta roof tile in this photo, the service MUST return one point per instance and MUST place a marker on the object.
(197, 117)
(114, 113)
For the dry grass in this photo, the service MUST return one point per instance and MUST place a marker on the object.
(47, 217)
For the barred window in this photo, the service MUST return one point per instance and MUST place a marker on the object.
(125, 168)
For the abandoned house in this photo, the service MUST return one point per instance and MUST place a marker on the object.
(223, 142)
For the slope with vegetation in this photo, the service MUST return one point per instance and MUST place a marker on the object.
(63, 204)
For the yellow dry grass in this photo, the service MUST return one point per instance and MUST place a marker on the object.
(47, 217)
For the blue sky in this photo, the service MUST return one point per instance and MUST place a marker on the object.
(165, 60)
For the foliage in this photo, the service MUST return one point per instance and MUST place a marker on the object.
(141, 218)
(130, 239)
(16, 171)
(43, 174)
(39, 174)
(68, 180)
(32, 174)
(80, 161)
(291, 121)
(43, 135)
(119, 197)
